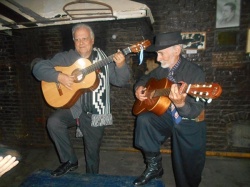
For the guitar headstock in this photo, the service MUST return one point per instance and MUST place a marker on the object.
(139, 46)
(207, 91)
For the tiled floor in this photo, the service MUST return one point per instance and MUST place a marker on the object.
(218, 172)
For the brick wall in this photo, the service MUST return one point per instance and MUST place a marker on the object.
(24, 112)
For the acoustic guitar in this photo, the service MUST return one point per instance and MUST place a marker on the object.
(85, 78)
(157, 92)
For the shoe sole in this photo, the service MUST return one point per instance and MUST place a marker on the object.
(71, 169)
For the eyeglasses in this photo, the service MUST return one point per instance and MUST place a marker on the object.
(79, 40)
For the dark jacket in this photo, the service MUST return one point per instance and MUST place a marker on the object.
(44, 70)
(188, 72)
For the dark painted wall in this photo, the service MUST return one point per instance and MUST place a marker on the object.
(23, 112)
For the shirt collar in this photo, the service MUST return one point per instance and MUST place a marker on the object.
(175, 66)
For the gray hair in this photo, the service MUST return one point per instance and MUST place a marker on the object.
(82, 25)
(231, 5)
(179, 45)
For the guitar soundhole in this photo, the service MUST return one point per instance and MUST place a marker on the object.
(78, 75)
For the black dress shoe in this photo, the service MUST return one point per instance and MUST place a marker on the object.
(148, 175)
(64, 168)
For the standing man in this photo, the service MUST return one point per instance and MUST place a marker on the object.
(91, 112)
(186, 128)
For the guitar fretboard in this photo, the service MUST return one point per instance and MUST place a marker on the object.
(102, 63)
(162, 92)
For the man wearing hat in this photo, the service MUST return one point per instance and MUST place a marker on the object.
(182, 122)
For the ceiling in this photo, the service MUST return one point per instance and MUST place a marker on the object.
(19, 14)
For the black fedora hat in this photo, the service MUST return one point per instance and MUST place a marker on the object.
(165, 40)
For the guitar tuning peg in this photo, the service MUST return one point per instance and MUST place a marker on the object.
(209, 100)
(197, 99)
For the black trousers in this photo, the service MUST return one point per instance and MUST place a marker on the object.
(58, 124)
(188, 144)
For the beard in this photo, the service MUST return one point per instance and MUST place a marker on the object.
(164, 65)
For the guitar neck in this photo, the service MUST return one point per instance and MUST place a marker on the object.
(204, 91)
(103, 62)
(166, 91)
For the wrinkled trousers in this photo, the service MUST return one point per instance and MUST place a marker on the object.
(188, 144)
(58, 124)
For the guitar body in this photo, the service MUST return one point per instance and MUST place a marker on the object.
(85, 78)
(157, 105)
(62, 97)
(157, 92)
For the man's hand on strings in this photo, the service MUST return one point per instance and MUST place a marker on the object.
(140, 93)
(66, 80)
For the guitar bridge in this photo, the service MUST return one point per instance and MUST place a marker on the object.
(58, 85)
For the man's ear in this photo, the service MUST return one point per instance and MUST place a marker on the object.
(177, 50)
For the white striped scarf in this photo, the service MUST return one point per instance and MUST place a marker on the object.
(97, 101)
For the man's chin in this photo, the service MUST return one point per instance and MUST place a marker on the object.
(164, 65)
